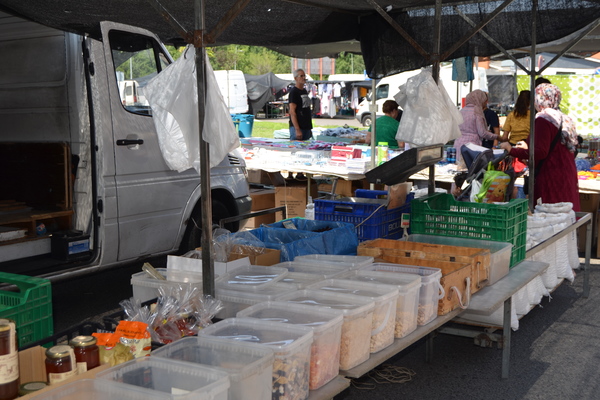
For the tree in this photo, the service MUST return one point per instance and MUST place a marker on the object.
(348, 63)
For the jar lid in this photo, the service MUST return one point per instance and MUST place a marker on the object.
(83, 341)
(5, 324)
(59, 351)
(31, 387)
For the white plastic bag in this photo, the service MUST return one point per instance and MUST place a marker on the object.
(173, 97)
(429, 116)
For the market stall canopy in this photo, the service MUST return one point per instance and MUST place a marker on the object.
(303, 27)
(264, 88)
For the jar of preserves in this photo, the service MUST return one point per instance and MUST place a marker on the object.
(87, 354)
(9, 360)
(59, 365)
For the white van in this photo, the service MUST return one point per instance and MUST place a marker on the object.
(84, 183)
(132, 93)
(388, 86)
(233, 88)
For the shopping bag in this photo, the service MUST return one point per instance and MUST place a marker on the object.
(173, 98)
(494, 186)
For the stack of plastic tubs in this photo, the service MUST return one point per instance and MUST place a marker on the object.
(384, 297)
(407, 305)
(172, 379)
(96, 389)
(431, 290)
(327, 331)
(356, 326)
(146, 288)
(249, 285)
(330, 260)
(290, 343)
(249, 366)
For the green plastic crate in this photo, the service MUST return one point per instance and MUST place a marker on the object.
(30, 307)
(439, 214)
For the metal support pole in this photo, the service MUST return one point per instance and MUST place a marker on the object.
(532, 72)
(588, 251)
(435, 72)
(208, 270)
(506, 338)
(373, 110)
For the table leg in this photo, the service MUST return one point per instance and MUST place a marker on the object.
(588, 251)
(429, 347)
(506, 338)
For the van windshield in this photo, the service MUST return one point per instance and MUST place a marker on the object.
(136, 59)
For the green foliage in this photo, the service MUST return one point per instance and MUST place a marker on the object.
(348, 63)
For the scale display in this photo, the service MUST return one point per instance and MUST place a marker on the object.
(401, 167)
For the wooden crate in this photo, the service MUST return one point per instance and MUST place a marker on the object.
(478, 259)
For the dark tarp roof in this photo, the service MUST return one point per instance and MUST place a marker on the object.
(297, 26)
(264, 88)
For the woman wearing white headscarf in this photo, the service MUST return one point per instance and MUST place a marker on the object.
(554, 152)
(474, 127)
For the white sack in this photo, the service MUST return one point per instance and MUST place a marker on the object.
(173, 97)
(429, 115)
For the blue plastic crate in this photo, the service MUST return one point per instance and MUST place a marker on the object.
(371, 220)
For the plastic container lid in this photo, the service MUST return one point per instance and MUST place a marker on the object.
(97, 389)
(301, 280)
(377, 292)
(350, 305)
(327, 271)
(428, 274)
(405, 282)
(296, 314)
(352, 262)
(174, 379)
(252, 295)
(249, 366)
(281, 338)
(252, 275)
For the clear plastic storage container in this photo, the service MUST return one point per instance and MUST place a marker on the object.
(327, 331)
(145, 287)
(356, 328)
(97, 389)
(236, 298)
(352, 262)
(385, 298)
(252, 275)
(328, 271)
(431, 290)
(249, 366)
(301, 280)
(290, 343)
(173, 379)
(500, 251)
(407, 305)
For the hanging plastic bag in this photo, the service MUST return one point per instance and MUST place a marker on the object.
(429, 116)
(173, 98)
(494, 186)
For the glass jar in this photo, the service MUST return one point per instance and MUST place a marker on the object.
(9, 361)
(87, 354)
(59, 365)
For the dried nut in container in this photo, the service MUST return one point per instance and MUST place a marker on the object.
(290, 377)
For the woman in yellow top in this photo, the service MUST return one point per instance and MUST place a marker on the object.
(517, 122)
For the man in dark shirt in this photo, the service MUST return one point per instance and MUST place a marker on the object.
(300, 112)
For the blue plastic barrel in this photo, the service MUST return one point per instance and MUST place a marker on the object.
(245, 124)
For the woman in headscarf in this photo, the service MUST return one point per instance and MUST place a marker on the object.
(474, 127)
(555, 144)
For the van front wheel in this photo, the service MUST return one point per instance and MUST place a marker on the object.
(366, 121)
(192, 239)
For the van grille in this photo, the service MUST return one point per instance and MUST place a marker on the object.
(234, 160)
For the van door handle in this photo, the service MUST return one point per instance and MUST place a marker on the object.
(129, 142)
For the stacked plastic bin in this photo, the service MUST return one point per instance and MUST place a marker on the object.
(291, 345)
(327, 330)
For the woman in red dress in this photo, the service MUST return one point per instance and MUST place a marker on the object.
(555, 172)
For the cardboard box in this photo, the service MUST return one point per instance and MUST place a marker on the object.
(267, 258)
(32, 368)
(343, 187)
(262, 177)
(589, 202)
(295, 197)
(262, 199)
(220, 268)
